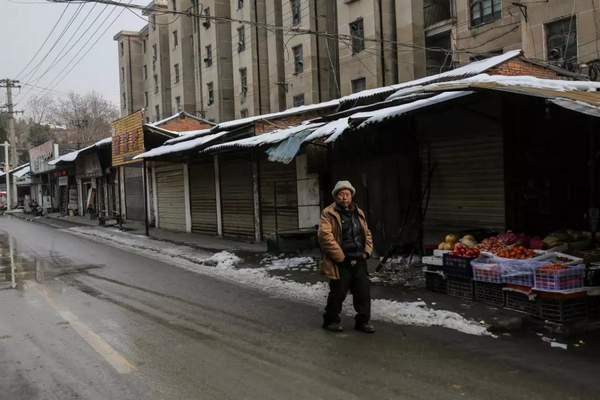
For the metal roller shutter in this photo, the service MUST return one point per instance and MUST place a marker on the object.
(134, 193)
(237, 198)
(467, 187)
(278, 197)
(171, 197)
(203, 198)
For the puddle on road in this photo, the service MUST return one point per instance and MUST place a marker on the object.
(16, 266)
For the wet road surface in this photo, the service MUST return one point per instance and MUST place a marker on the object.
(88, 321)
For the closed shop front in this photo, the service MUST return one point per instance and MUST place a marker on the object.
(171, 197)
(134, 193)
(237, 198)
(203, 198)
(278, 197)
(467, 183)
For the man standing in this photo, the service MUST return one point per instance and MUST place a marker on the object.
(346, 244)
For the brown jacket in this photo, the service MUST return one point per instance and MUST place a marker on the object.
(330, 240)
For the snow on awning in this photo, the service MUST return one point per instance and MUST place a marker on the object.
(179, 147)
(72, 156)
(188, 135)
(577, 106)
(474, 68)
(271, 138)
(22, 172)
(378, 116)
(290, 111)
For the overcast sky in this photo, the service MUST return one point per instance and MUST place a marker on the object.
(25, 24)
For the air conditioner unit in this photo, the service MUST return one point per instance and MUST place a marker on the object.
(206, 23)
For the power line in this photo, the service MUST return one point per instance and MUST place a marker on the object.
(45, 41)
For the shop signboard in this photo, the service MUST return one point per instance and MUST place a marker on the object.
(40, 156)
(127, 139)
(88, 166)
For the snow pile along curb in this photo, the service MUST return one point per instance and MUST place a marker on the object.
(223, 265)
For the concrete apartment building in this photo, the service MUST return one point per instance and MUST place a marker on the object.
(181, 47)
(251, 81)
(212, 49)
(367, 50)
(343, 46)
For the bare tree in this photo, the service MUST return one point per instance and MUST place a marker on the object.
(39, 108)
(89, 115)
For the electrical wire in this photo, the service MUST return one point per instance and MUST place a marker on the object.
(44, 42)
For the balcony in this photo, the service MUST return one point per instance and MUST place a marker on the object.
(436, 11)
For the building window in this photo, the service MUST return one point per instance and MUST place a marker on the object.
(357, 31)
(153, 21)
(154, 52)
(561, 41)
(145, 99)
(124, 100)
(178, 103)
(144, 45)
(122, 73)
(240, 4)
(211, 93)
(145, 72)
(208, 59)
(206, 22)
(243, 82)
(244, 113)
(296, 12)
(241, 38)
(174, 4)
(176, 70)
(298, 100)
(155, 83)
(485, 11)
(358, 85)
(157, 112)
(298, 59)
(122, 49)
(175, 39)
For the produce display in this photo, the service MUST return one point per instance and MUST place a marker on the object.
(448, 243)
(516, 253)
(462, 250)
(559, 277)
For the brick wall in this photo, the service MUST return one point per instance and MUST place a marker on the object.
(184, 124)
(517, 66)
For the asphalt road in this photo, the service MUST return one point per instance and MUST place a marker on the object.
(93, 322)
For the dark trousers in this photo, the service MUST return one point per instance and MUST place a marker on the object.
(353, 278)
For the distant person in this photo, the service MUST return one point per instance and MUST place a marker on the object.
(346, 244)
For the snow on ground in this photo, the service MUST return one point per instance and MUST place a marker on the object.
(270, 263)
(223, 265)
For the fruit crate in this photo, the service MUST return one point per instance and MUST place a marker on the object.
(486, 272)
(460, 287)
(435, 281)
(457, 266)
(520, 302)
(567, 309)
(560, 280)
(489, 293)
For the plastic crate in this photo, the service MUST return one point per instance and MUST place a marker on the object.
(520, 302)
(486, 272)
(457, 266)
(460, 287)
(489, 293)
(562, 310)
(567, 279)
(435, 281)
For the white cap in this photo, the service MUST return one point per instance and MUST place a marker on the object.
(340, 185)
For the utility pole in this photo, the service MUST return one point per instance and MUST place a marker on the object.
(6, 174)
(10, 84)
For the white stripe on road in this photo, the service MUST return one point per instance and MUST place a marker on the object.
(101, 346)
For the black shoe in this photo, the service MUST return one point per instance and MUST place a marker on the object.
(366, 328)
(333, 327)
